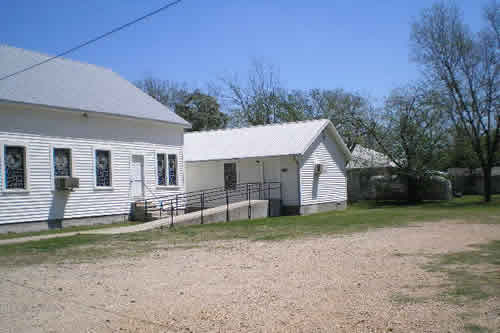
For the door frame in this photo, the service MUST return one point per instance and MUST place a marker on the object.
(132, 155)
(236, 169)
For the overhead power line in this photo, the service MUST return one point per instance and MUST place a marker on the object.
(126, 25)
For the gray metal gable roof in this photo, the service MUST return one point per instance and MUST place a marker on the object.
(68, 84)
(258, 141)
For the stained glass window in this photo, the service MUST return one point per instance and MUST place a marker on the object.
(162, 169)
(62, 162)
(15, 167)
(172, 169)
(103, 167)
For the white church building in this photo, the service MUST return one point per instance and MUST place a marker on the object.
(80, 145)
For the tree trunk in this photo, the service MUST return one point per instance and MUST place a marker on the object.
(413, 189)
(487, 184)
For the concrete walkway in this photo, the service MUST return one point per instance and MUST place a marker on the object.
(237, 211)
(37, 238)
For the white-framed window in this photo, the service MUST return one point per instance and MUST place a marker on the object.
(161, 169)
(172, 170)
(167, 169)
(103, 168)
(62, 165)
(15, 172)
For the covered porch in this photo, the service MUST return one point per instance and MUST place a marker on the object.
(227, 173)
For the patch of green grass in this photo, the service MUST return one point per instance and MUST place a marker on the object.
(473, 274)
(473, 328)
(473, 277)
(11, 235)
(358, 217)
(401, 298)
(48, 250)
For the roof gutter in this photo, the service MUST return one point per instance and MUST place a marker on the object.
(238, 158)
(60, 108)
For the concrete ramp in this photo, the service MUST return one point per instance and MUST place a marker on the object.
(237, 211)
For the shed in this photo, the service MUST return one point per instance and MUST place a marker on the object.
(307, 158)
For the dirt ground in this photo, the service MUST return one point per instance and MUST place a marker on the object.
(349, 283)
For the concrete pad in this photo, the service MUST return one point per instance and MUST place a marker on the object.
(237, 211)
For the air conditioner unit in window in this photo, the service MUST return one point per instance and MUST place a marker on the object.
(67, 183)
(318, 168)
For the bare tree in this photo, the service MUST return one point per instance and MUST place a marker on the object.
(464, 67)
(259, 99)
(167, 92)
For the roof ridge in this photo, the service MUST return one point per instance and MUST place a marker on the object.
(255, 126)
(58, 58)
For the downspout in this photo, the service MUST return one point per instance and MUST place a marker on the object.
(297, 160)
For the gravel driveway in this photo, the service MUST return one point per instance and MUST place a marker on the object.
(350, 283)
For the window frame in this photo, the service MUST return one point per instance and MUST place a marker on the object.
(3, 178)
(53, 177)
(167, 169)
(94, 167)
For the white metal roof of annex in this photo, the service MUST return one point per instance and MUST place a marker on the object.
(70, 85)
(363, 157)
(258, 141)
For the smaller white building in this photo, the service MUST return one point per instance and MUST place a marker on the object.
(308, 159)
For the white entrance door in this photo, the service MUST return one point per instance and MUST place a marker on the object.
(289, 182)
(260, 171)
(137, 176)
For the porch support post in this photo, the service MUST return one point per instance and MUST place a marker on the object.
(202, 204)
(171, 212)
(227, 206)
(249, 205)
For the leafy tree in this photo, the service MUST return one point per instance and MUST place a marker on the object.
(412, 133)
(464, 67)
(347, 111)
(202, 111)
(460, 152)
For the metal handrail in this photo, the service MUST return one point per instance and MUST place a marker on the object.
(213, 189)
(198, 200)
(218, 195)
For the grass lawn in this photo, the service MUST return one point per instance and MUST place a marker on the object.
(358, 217)
(473, 276)
(11, 235)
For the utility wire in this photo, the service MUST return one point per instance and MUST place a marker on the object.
(126, 25)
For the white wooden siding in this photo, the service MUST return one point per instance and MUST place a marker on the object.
(41, 130)
(329, 186)
(204, 175)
